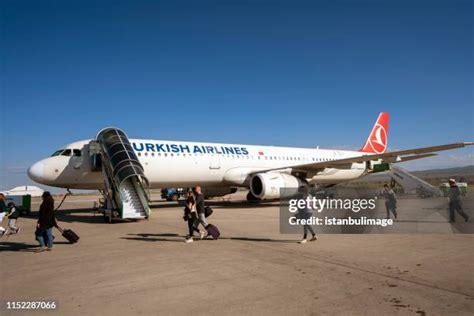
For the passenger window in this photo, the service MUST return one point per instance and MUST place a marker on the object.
(77, 152)
(67, 152)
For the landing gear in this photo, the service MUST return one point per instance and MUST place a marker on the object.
(105, 207)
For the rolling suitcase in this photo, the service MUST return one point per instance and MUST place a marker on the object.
(71, 236)
(213, 231)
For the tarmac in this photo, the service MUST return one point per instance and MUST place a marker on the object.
(144, 267)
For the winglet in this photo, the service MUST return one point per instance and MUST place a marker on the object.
(378, 139)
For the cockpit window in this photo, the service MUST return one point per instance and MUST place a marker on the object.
(57, 152)
(76, 152)
(67, 152)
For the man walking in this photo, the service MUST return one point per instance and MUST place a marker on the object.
(306, 214)
(455, 205)
(200, 208)
(390, 201)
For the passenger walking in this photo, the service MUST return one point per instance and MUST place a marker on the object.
(190, 215)
(200, 209)
(46, 222)
(13, 214)
(455, 205)
(3, 212)
(390, 201)
(306, 214)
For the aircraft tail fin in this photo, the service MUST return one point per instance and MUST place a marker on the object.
(378, 138)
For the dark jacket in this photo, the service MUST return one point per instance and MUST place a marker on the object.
(3, 207)
(200, 203)
(14, 212)
(47, 216)
(454, 194)
(390, 198)
(187, 210)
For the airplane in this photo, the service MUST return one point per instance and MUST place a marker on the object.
(218, 167)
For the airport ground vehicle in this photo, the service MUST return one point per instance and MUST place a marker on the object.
(22, 202)
(444, 187)
(172, 194)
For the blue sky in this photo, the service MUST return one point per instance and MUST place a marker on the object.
(297, 73)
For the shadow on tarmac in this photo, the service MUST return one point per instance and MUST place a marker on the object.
(180, 238)
(166, 205)
(87, 215)
(16, 246)
(239, 204)
(217, 204)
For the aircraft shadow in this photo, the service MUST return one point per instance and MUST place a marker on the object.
(239, 204)
(285, 241)
(74, 211)
(180, 238)
(170, 205)
(70, 218)
(153, 239)
(80, 215)
(144, 235)
(217, 204)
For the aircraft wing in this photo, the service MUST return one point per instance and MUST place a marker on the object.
(390, 157)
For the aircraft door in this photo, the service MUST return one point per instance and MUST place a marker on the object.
(76, 158)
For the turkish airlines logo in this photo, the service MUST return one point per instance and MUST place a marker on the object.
(378, 139)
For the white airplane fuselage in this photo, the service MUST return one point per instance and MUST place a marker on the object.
(187, 164)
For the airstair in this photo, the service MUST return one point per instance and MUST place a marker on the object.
(411, 183)
(125, 184)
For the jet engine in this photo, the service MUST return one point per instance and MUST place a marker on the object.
(267, 185)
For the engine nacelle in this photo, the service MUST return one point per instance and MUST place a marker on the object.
(267, 185)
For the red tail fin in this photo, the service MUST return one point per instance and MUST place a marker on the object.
(378, 138)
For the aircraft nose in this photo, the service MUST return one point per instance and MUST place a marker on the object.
(36, 172)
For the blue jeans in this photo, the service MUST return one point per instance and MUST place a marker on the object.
(201, 220)
(455, 206)
(40, 239)
(306, 215)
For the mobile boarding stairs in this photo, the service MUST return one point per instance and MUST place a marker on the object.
(125, 185)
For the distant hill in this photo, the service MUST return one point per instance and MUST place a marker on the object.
(433, 176)
(467, 171)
